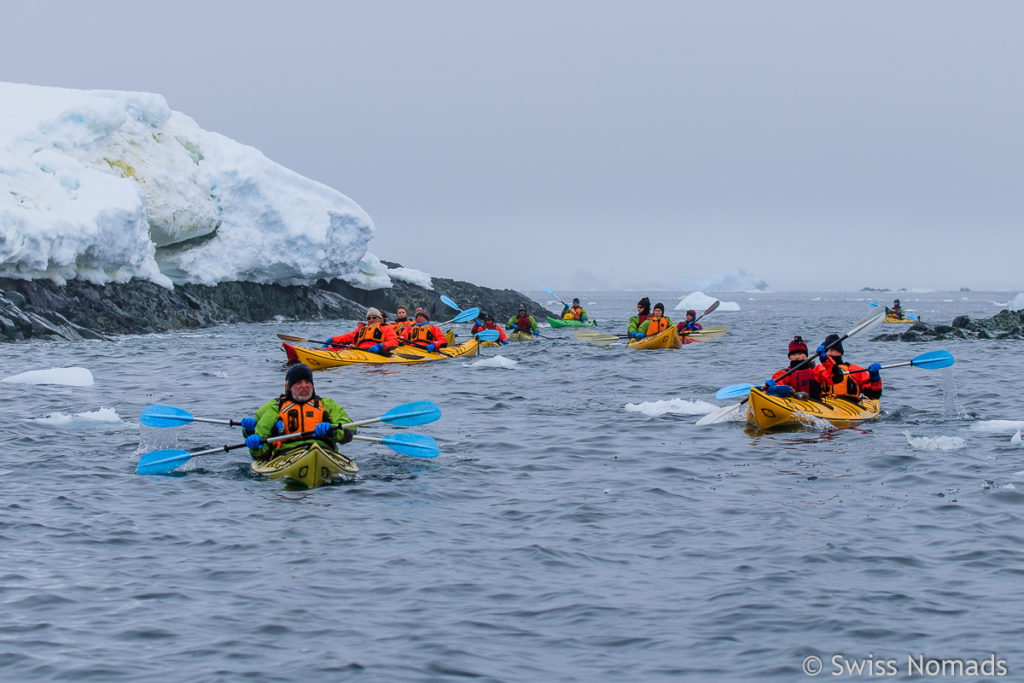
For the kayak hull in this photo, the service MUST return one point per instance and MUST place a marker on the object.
(768, 412)
(520, 336)
(561, 322)
(318, 359)
(666, 339)
(903, 321)
(311, 465)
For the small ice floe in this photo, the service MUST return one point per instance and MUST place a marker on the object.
(103, 416)
(1015, 439)
(677, 406)
(997, 426)
(935, 443)
(72, 377)
(494, 362)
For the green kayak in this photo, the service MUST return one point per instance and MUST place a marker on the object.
(559, 322)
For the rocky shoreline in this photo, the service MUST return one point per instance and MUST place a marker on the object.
(1004, 325)
(41, 309)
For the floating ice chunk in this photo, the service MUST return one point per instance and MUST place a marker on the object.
(72, 377)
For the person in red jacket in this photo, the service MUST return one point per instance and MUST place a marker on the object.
(374, 336)
(846, 380)
(423, 334)
(690, 324)
(803, 380)
(487, 323)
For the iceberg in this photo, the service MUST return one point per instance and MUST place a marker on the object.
(1017, 303)
(108, 186)
(699, 301)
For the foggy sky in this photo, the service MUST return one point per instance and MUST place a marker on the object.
(818, 145)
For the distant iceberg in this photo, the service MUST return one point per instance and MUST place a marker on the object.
(737, 280)
(699, 301)
(108, 186)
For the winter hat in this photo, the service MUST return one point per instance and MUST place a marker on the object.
(296, 373)
(660, 305)
(838, 346)
(420, 311)
(692, 312)
(371, 312)
(488, 317)
(798, 345)
(576, 301)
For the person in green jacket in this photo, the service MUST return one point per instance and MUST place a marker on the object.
(658, 322)
(522, 322)
(643, 312)
(574, 312)
(298, 409)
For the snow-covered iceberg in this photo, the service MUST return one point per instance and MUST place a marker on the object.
(699, 301)
(110, 185)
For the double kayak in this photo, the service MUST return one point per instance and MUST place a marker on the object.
(311, 465)
(666, 339)
(766, 411)
(318, 359)
(562, 322)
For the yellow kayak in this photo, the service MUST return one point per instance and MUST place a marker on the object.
(666, 339)
(318, 359)
(311, 465)
(893, 319)
(709, 332)
(519, 335)
(766, 411)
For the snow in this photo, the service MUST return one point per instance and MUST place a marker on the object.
(110, 185)
(699, 301)
(72, 377)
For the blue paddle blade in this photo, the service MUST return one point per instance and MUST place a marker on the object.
(934, 360)
(162, 462)
(488, 335)
(873, 304)
(413, 445)
(550, 293)
(448, 302)
(467, 315)
(412, 414)
(158, 415)
(733, 391)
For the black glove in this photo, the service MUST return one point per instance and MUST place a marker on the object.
(347, 435)
(837, 374)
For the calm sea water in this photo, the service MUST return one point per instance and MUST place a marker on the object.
(577, 526)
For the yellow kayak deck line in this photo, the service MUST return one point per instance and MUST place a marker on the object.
(311, 465)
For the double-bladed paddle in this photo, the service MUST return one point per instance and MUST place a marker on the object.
(555, 296)
(406, 415)
(723, 414)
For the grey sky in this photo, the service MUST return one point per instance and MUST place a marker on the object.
(816, 144)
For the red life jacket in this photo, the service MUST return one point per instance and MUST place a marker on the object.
(523, 324)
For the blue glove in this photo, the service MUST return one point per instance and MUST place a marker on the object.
(326, 344)
(323, 429)
(254, 442)
(874, 372)
(248, 424)
(504, 341)
(431, 347)
(279, 427)
(779, 390)
(376, 348)
(638, 334)
(536, 333)
(770, 383)
(822, 354)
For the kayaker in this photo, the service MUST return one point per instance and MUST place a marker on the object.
(574, 312)
(896, 311)
(643, 312)
(401, 321)
(423, 334)
(657, 322)
(523, 322)
(487, 323)
(373, 336)
(837, 383)
(690, 324)
(298, 409)
(803, 381)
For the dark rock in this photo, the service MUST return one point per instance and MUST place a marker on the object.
(1003, 325)
(81, 310)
